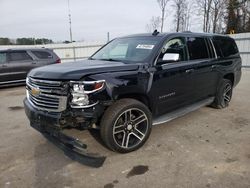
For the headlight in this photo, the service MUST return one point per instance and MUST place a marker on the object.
(81, 93)
(79, 97)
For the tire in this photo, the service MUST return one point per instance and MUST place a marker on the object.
(223, 95)
(126, 125)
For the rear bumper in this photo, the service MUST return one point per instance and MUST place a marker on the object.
(48, 125)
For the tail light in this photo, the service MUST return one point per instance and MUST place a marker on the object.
(58, 61)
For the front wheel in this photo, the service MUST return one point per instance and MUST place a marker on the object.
(126, 125)
(224, 94)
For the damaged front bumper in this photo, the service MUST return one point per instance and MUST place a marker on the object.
(48, 124)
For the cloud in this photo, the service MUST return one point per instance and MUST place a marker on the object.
(91, 19)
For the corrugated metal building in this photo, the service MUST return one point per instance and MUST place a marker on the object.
(243, 42)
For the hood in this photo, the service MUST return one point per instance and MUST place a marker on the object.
(76, 70)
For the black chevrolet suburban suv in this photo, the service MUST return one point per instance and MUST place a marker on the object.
(130, 84)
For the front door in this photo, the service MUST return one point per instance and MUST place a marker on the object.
(173, 78)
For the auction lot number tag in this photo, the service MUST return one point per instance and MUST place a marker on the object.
(145, 46)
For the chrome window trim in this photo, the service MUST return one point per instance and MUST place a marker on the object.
(211, 41)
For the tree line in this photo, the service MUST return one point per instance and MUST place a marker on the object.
(25, 41)
(215, 16)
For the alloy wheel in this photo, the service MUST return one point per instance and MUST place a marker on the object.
(130, 128)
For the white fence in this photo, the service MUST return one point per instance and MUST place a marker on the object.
(67, 52)
(82, 50)
(243, 42)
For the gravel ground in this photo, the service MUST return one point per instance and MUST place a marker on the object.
(206, 148)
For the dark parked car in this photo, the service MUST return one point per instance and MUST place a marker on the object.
(130, 84)
(15, 64)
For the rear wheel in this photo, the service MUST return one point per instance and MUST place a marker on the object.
(126, 125)
(224, 94)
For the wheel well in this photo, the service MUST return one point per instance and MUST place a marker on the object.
(230, 77)
(140, 97)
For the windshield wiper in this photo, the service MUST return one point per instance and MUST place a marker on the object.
(109, 59)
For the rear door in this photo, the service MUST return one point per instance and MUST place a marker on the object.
(20, 62)
(5, 71)
(202, 56)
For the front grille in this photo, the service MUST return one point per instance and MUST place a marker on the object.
(46, 95)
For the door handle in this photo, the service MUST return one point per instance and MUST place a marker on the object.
(189, 70)
(4, 65)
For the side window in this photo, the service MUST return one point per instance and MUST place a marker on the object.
(19, 56)
(226, 47)
(42, 54)
(197, 48)
(173, 51)
(3, 57)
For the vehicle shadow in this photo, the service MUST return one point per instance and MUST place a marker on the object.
(97, 136)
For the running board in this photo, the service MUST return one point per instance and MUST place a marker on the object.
(181, 112)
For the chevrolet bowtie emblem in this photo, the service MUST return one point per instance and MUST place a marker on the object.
(35, 91)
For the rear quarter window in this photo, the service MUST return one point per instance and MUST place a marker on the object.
(225, 47)
(42, 54)
(19, 56)
(197, 48)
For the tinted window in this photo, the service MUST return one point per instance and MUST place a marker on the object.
(19, 56)
(197, 48)
(225, 47)
(3, 57)
(42, 55)
(174, 46)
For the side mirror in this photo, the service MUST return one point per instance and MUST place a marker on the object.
(171, 57)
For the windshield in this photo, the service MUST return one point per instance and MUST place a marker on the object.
(127, 49)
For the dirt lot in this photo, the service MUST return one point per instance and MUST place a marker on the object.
(206, 148)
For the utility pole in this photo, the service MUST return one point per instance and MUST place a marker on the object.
(108, 37)
(70, 31)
